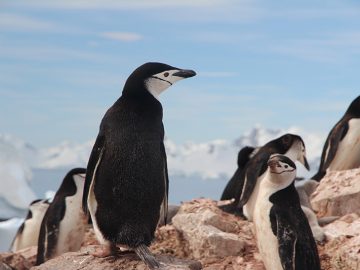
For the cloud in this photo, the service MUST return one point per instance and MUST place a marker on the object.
(325, 47)
(115, 4)
(122, 36)
(12, 22)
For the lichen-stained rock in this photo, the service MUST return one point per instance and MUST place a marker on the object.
(343, 246)
(14, 260)
(338, 194)
(82, 260)
(207, 231)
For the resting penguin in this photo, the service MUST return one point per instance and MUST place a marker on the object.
(127, 178)
(283, 234)
(342, 147)
(243, 157)
(290, 145)
(28, 233)
(63, 226)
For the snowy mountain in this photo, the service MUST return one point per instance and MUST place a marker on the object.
(218, 158)
(208, 160)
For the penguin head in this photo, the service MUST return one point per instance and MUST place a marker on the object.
(154, 78)
(282, 170)
(293, 146)
(354, 108)
(245, 154)
(38, 206)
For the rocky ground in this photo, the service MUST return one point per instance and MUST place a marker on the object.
(203, 237)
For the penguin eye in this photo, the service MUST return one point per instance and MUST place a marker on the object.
(286, 166)
(166, 74)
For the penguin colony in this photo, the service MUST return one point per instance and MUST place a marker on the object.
(124, 189)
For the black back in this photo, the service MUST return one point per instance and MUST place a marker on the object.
(290, 225)
(337, 133)
(255, 168)
(128, 163)
(231, 187)
(49, 230)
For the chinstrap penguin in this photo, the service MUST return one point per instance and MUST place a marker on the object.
(342, 147)
(283, 234)
(28, 233)
(126, 187)
(290, 145)
(64, 223)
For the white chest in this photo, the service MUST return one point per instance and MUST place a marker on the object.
(348, 152)
(250, 205)
(72, 226)
(267, 242)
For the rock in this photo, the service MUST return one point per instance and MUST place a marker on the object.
(82, 260)
(338, 193)
(29, 254)
(206, 231)
(348, 225)
(14, 260)
(343, 247)
(172, 211)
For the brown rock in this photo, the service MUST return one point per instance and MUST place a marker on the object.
(15, 261)
(29, 254)
(343, 248)
(82, 260)
(338, 194)
(206, 231)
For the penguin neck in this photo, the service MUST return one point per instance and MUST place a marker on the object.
(274, 182)
(140, 94)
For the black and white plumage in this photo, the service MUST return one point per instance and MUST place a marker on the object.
(283, 234)
(63, 226)
(290, 145)
(28, 233)
(244, 156)
(127, 178)
(342, 147)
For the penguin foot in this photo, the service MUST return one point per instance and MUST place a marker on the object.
(103, 251)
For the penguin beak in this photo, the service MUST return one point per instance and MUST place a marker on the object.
(306, 164)
(185, 73)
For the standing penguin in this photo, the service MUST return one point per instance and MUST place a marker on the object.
(342, 147)
(127, 178)
(283, 234)
(28, 233)
(243, 157)
(64, 223)
(290, 145)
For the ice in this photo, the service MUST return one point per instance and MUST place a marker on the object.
(14, 176)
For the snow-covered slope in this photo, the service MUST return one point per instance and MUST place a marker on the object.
(208, 160)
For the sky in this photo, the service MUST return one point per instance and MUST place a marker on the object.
(276, 64)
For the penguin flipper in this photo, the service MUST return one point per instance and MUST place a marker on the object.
(164, 205)
(253, 170)
(330, 148)
(49, 231)
(286, 238)
(95, 158)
